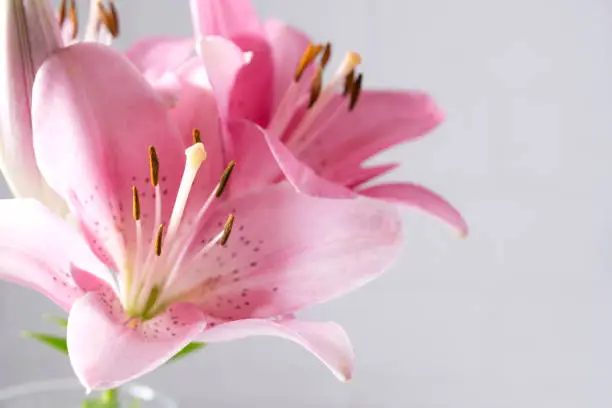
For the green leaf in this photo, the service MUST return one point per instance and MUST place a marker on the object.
(60, 321)
(58, 343)
(188, 349)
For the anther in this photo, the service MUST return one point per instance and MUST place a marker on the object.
(355, 92)
(109, 18)
(349, 82)
(115, 17)
(196, 136)
(307, 57)
(74, 19)
(315, 87)
(135, 203)
(158, 240)
(227, 229)
(225, 178)
(326, 55)
(154, 166)
(62, 12)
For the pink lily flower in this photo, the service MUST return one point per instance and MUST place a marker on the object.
(319, 135)
(153, 266)
(30, 34)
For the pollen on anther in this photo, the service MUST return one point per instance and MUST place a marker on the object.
(355, 92)
(74, 19)
(62, 12)
(225, 178)
(315, 87)
(135, 203)
(154, 166)
(196, 136)
(227, 229)
(158, 240)
(309, 55)
(326, 55)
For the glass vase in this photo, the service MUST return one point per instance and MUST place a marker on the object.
(68, 393)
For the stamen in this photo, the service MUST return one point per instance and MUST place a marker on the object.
(196, 136)
(349, 81)
(326, 55)
(315, 87)
(309, 55)
(225, 178)
(154, 166)
(355, 92)
(62, 12)
(158, 240)
(108, 18)
(115, 18)
(135, 204)
(227, 229)
(74, 19)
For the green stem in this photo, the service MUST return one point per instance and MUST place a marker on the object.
(109, 398)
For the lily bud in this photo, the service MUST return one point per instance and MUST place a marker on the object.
(29, 33)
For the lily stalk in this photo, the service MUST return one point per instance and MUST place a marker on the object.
(29, 34)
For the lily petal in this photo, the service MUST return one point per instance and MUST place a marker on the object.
(30, 35)
(289, 251)
(39, 250)
(326, 340)
(111, 117)
(238, 70)
(300, 175)
(418, 196)
(223, 18)
(155, 56)
(381, 119)
(288, 45)
(107, 350)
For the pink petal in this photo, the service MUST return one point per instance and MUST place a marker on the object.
(421, 198)
(223, 18)
(106, 351)
(288, 44)
(241, 74)
(302, 177)
(94, 119)
(327, 341)
(29, 35)
(363, 175)
(380, 120)
(288, 251)
(39, 250)
(155, 56)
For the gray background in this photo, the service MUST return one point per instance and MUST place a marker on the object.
(517, 315)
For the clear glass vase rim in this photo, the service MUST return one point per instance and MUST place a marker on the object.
(140, 391)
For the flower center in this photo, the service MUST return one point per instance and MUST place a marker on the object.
(147, 285)
(320, 97)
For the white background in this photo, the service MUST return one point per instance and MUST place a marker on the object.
(517, 315)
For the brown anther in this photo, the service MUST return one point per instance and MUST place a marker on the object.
(225, 178)
(196, 136)
(108, 18)
(62, 12)
(326, 55)
(349, 82)
(74, 19)
(315, 87)
(227, 229)
(158, 240)
(135, 204)
(115, 16)
(355, 92)
(153, 166)
(307, 57)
